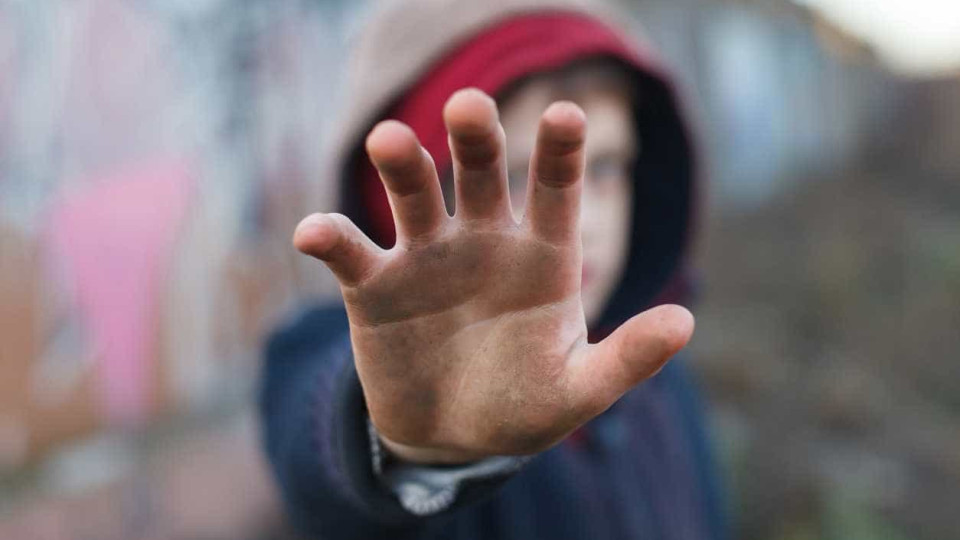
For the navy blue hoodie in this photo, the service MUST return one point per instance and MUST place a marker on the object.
(641, 470)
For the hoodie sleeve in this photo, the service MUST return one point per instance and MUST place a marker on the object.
(318, 440)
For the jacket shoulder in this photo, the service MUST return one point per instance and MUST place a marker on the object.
(305, 330)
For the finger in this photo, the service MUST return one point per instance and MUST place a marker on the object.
(410, 177)
(477, 144)
(633, 353)
(336, 241)
(556, 171)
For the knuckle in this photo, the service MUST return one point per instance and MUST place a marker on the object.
(558, 147)
(477, 152)
(407, 179)
(557, 174)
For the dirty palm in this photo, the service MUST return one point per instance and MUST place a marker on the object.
(469, 334)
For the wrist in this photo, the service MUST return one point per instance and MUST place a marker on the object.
(429, 456)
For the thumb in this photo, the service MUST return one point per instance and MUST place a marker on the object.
(633, 353)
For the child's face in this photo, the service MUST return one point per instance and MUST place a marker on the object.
(608, 187)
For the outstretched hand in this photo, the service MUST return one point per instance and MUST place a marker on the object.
(469, 334)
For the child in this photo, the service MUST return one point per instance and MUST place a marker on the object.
(441, 402)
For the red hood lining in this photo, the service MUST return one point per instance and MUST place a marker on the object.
(490, 61)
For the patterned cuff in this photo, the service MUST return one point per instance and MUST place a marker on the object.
(424, 490)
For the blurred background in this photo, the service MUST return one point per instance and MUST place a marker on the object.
(153, 158)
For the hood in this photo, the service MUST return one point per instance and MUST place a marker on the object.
(416, 53)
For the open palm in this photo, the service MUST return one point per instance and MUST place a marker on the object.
(469, 334)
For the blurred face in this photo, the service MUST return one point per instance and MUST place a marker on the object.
(608, 187)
